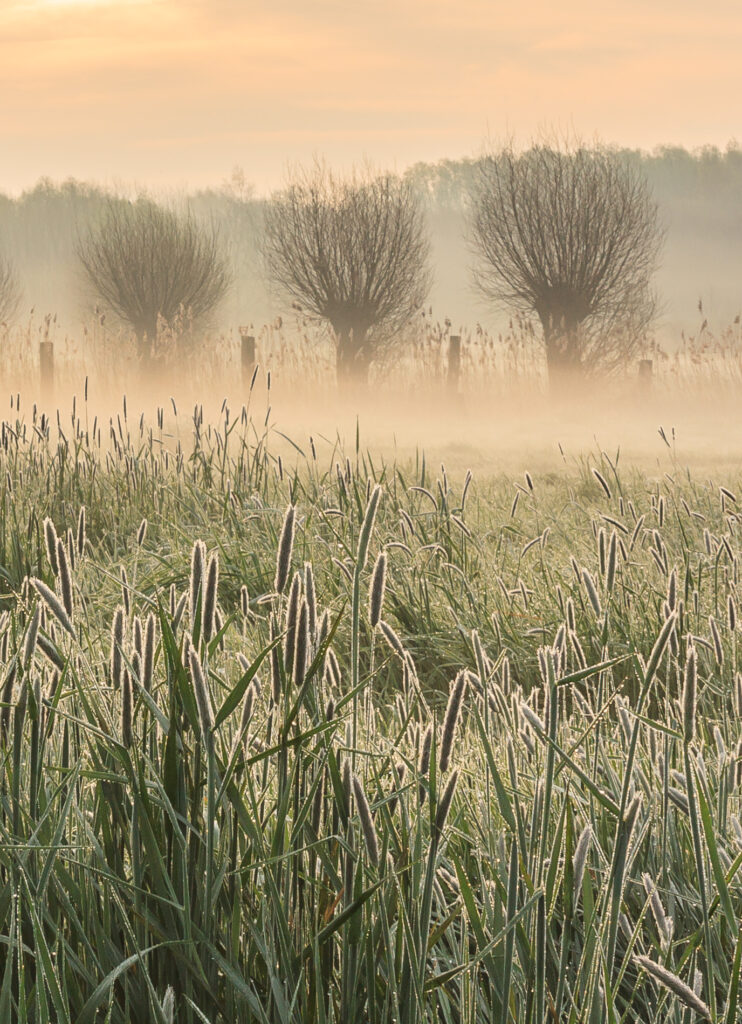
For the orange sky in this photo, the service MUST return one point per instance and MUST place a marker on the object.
(178, 92)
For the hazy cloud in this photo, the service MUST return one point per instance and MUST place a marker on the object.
(181, 90)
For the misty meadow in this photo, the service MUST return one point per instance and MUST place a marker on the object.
(370, 517)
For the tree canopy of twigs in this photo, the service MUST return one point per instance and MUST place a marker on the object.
(570, 236)
(154, 267)
(352, 252)
(10, 292)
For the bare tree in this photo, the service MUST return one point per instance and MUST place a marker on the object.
(571, 236)
(351, 252)
(152, 266)
(10, 291)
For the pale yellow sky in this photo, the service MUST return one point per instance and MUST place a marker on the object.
(178, 92)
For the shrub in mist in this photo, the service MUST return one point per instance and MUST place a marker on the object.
(154, 268)
(569, 236)
(352, 252)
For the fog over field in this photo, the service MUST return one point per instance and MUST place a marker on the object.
(370, 512)
(699, 194)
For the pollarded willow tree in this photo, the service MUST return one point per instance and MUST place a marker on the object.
(570, 236)
(10, 291)
(352, 252)
(154, 267)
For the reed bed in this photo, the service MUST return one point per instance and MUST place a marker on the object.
(329, 739)
(297, 355)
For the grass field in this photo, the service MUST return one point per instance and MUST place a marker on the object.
(388, 745)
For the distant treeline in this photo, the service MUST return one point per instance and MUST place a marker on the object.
(699, 194)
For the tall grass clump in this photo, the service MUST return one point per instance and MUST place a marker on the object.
(305, 750)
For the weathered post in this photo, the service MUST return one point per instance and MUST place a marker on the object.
(454, 363)
(46, 369)
(247, 356)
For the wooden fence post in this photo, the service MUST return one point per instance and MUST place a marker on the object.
(46, 369)
(454, 363)
(247, 356)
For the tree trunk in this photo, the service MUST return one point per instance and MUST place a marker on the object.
(144, 350)
(352, 362)
(563, 354)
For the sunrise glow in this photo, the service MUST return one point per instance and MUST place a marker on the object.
(181, 92)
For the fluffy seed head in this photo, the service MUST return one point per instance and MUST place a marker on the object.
(168, 1005)
(444, 806)
(376, 592)
(675, 985)
(127, 710)
(530, 715)
(81, 532)
(367, 526)
(117, 645)
(451, 718)
(71, 548)
(393, 640)
(51, 540)
(136, 631)
(292, 616)
(592, 593)
(209, 601)
(195, 589)
(32, 633)
(148, 659)
(203, 697)
(247, 710)
(65, 578)
(610, 576)
(54, 605)
(602, 481)
(285, 549)
(347, 789)
(126, 596)
(663, 922)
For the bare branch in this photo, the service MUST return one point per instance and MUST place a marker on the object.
(151, 265)
(350, 252)
(571, 236)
